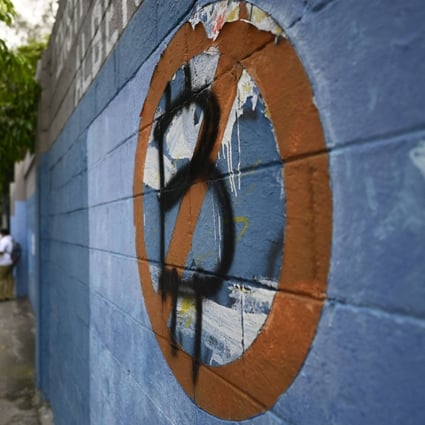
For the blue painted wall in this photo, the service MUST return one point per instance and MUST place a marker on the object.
(63, 315)
(22, 225)
(32, 272)
(18, 228)
(98, 359)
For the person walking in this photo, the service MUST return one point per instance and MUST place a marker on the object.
(7, 282)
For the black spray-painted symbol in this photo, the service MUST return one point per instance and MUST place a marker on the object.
(202, 283)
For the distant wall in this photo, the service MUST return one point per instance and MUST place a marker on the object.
(22, 228)
(228, 217)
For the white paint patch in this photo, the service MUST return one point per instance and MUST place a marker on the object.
(222, 332)
(151, 172)
(268, 283)
(246, 91)
(227, 331)
(280, 179)
(155, 272)
(32, 243)
(417, 155)
(216, 218)
(182, 133)
(203, 67)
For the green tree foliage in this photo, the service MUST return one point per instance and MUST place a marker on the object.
(19, 92)
(18, 100)
(7, 12)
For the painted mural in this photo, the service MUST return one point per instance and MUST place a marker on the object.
(232, 209)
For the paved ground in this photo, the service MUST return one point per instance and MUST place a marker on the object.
(19, 403)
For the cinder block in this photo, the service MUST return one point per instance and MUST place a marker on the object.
(363, 366)
(126, 346)
(104, 219)
(116, 278)
(118, 122)
(343, 45)
(171, 14)
(60, 119)
(137, 383)
(87, 110)
(378, 225)
(105, 83)
(137, 42)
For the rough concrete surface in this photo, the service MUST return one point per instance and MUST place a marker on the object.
(20, 404)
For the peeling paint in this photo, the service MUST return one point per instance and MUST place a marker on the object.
(203, 68)
(227, 330)
(247, 90)
(182, 134)
(262, 20)
(268, 283)
(214, 16)
(217, 228)
(151, 175)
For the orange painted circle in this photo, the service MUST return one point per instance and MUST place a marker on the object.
(252, 383)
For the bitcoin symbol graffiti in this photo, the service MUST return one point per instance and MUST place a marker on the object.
(190, 118)
(201, 168)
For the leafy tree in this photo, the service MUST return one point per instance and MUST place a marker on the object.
(18, 100)
(19, 92)
(7, 12)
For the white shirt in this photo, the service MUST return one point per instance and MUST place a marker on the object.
(6, 246)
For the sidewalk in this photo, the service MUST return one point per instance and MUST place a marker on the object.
(19, 403)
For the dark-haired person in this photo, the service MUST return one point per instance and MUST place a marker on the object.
(6, 266)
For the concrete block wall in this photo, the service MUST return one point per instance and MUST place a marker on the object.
(292, 290)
